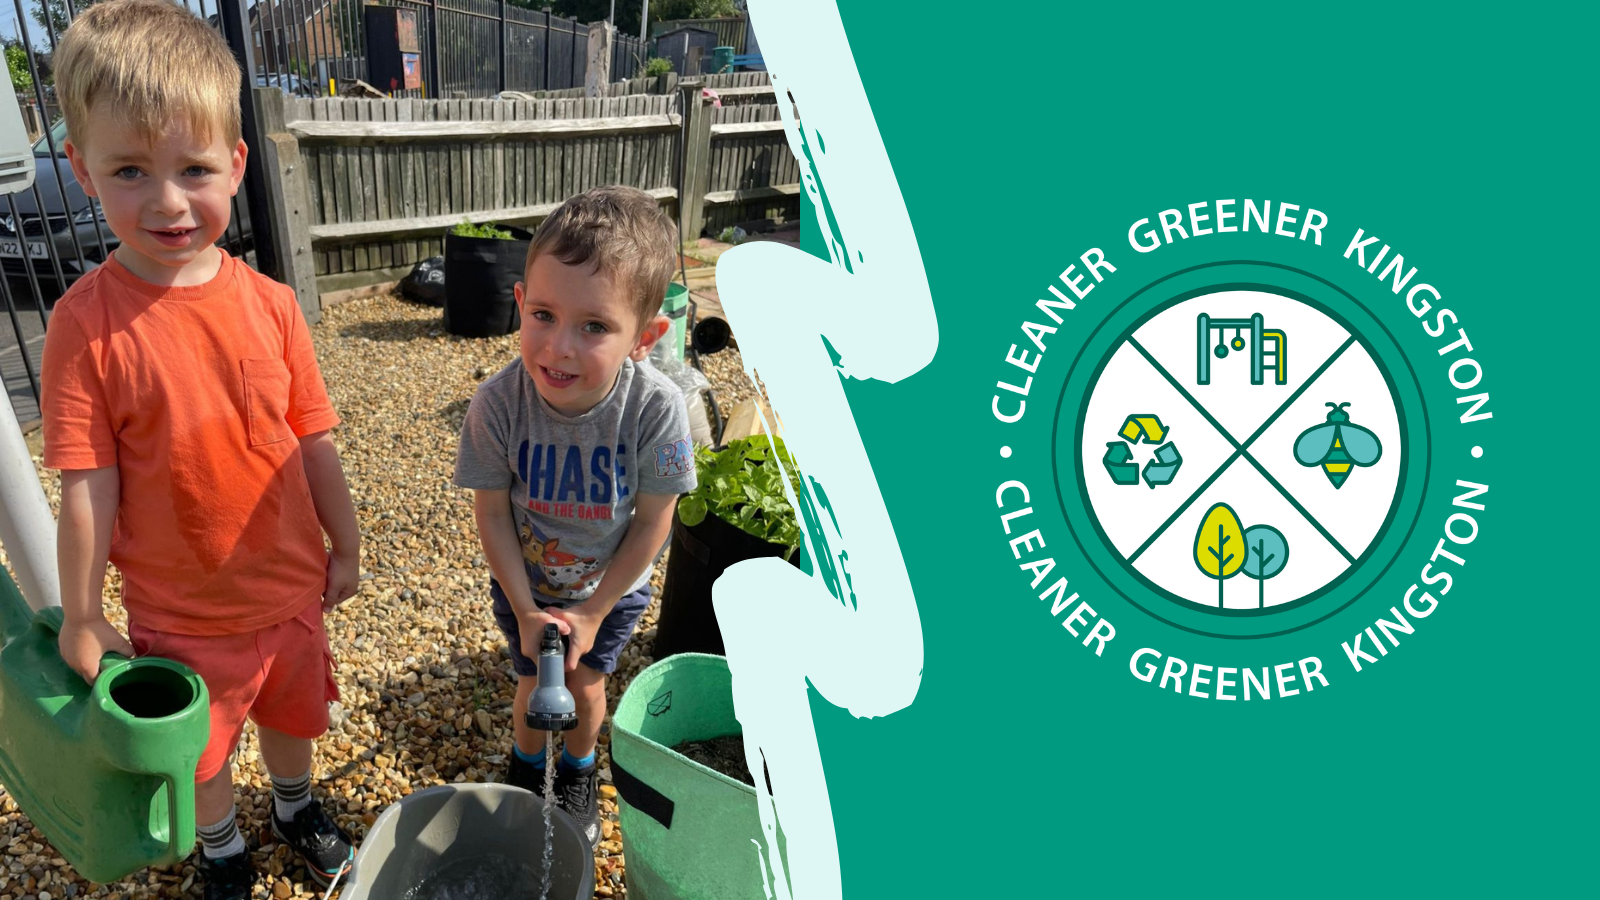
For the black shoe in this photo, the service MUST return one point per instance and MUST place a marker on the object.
(577, 792)
(229, 878)
(323, 846)
(525, 775)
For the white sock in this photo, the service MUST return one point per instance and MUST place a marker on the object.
(290, 795)
(221, 840)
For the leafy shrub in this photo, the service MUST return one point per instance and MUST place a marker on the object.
(742, 485)
(657, 66)
(486, 230)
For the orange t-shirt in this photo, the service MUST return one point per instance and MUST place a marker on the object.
(198, 396)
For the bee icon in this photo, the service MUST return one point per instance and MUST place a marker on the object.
(1337, 445)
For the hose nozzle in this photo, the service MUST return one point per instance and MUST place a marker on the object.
(551, 707)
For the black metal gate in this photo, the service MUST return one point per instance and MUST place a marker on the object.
(52, 233)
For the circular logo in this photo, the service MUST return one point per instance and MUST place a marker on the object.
(1245, 452)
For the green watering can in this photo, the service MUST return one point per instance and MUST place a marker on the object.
(106, 772)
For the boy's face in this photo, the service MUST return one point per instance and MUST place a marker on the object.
(577, 327)
(167, 201)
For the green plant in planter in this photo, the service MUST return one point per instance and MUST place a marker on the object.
(740, 487)
(486, 230)
(657, 66)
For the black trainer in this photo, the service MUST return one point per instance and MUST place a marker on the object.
(323, 846)
(577, 792)
(228, 878)
(525, 775)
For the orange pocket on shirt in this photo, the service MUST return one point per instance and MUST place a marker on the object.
(266, 400)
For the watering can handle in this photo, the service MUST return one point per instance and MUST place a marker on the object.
(52, 618)
(174, 804)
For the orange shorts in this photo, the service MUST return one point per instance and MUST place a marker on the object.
(281, 676)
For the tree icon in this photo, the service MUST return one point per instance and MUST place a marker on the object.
(1265, 553)
(1219, 545)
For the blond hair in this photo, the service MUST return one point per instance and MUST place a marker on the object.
(622, 232)
(151, 64)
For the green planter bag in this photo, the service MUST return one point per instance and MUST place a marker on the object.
(687, 830)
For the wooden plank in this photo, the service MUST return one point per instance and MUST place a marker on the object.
(741, 129)
(457, 127)
(487, 187)
(380, 183)
(461, 179)
(569, 153)
(341, 168)
(477, 185)
(745, 91)
(379, 111)
(511, 163)
(543, 152)
(359, 230)
(414, 202)
(431, 173)
(402, 201)
(631, 148)
(326, 194)
(744, 195)
(625, 146)
(360, 188)
(379, 256)
(499, 151)
(749, 419)
(519, 197)
(447, 109)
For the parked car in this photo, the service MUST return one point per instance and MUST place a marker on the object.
(53, 175)
(290, 84)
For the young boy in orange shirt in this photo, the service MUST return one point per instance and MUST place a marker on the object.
(183, 404)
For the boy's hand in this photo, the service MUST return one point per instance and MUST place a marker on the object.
(344, 576)
(584, 620)
(83, 643)
(530, 630)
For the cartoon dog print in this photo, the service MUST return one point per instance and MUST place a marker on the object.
(565, 574)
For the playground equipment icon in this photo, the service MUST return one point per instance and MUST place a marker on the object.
(1259, 335)
(1119, 455)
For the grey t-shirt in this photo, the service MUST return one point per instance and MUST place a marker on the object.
(573, 479)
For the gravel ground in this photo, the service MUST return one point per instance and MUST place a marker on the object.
(427, 685)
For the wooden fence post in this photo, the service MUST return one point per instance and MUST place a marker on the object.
(694, 154)
(597, 73)
(288, 201)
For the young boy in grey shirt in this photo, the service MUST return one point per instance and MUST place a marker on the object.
(576, 453)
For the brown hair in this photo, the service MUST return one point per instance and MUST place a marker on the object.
(622, 232)
(152, 64)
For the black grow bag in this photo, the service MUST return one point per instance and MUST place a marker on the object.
(700, 554)
(479, 274)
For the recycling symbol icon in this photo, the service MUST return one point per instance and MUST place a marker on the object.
(1119, 461)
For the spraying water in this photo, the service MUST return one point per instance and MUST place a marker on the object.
(548, 858)
(550, 709)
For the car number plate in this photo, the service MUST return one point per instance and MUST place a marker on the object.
(12, 249)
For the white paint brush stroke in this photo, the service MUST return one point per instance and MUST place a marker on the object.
(780, 626)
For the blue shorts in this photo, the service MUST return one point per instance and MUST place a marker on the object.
(609, 639)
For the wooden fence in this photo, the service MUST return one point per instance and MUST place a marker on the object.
(751, 171)
(365, 189)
